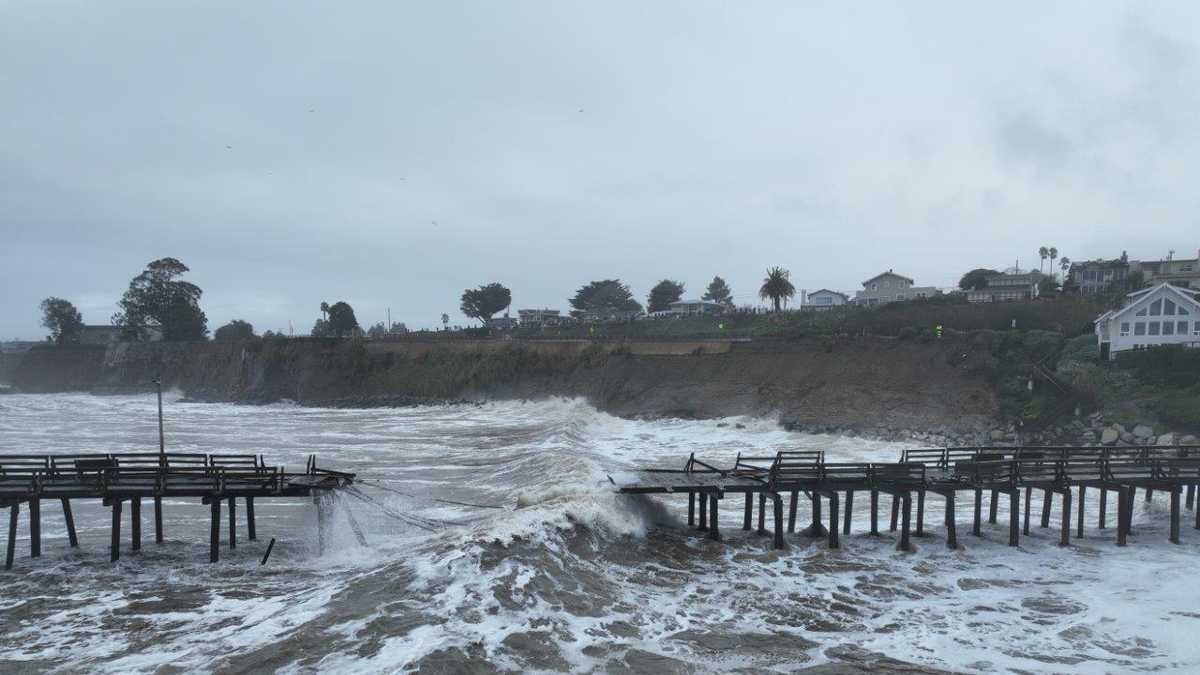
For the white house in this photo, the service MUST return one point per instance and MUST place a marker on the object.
(690, 307)
(824, 300)
(1160, 315)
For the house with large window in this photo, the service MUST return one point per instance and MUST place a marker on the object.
(1183, 272)
(1096, 277)
(891, 287)
(1006, 287)
(1161, 315)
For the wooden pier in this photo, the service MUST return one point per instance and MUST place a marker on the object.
(126, 479)
(998, 472)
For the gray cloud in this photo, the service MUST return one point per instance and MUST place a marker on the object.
(295, 152)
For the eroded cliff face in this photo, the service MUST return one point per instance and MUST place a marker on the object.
(850, 384)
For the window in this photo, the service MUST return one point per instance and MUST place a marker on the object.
(1139, 328)
(899, 296)
(1168, 328)
(1156, 308)
(1155, 327)
(1168, 308)
(875, 286)
(1181, 328)
(1141, 312)
(1196, 330)
(1125, 328)
(1183, 311)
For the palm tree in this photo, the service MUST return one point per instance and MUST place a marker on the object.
(1044, 253)
(324, 310)
(1064, 263)
(1053, 256)
(776, 286)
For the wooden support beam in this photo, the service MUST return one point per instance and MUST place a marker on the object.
(849, 511)
(905, 541)
(1122, 497)
(977, 522)
(703, 526)
(1129, 511)
(14, 512)
(1174, 536)
(833, 519)
(920, 513)
(691, 509)
(1079, 525)
(874, 512)
(895, 512)
(792, 512)
(232, 523)
(1100, 524)
(1191, 497)
(951, 526)
(1028, 507)
(817, 529)
(158, 525)
(777, 501)
(214, 529)
(251, 533)
(1066, 518)
(714, 530)
(1149, 495)
(1014, 517)
(35, 527)
(72, 537)
(1047, 507)
(135, 515)
(762, 513)
(115, 549)
(749, 515)
(993, 505)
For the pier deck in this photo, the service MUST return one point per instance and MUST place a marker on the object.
(117, 479)
(999, 471)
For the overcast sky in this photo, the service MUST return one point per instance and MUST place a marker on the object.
(392, 154)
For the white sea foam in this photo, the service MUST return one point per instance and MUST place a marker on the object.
(565, 573)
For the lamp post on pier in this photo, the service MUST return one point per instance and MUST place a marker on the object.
(162, 447)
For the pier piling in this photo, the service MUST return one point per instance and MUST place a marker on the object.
(874, 513)
(251, 534)
(1123, 496)
(833, 519)
(977, 522)
(14, 513)
(951, 531)
(1014, 518)
(895, 512)
(703, 526)
(135, 516)
(1079, 517)
(691, 508)
(777, 501)
(849, 511)
(792, 512)
(920, 513)
(1174, 536)
(1066, 518)
(115, 550)
(762, 513)
(72, 538)
(905, 541)
(993, 505)
(1047, 506)
(214, 529)
(1100, 524)
(158, 525)
(232, 523)
(35, 527)
(749, 515)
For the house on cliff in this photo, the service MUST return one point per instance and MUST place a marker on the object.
(1162, 315)
(1005, 287)
(891, 287)
(824, 300)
